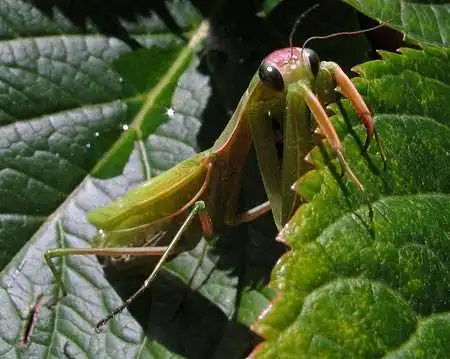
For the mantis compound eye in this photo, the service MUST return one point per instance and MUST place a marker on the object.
(313, 59)
(271, 77)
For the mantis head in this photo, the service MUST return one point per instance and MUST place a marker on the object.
(285, 66)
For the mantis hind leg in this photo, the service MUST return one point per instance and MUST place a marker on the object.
(198, 208)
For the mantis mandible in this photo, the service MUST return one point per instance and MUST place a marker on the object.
(199, 194)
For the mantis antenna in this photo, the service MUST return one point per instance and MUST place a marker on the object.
(298, 22)
(342, 33)
(323, 37)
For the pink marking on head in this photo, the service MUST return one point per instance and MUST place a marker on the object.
(283, 57)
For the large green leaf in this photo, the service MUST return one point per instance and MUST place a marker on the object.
(422, 21)
(66, 111)
(362, 286)
(356, 286)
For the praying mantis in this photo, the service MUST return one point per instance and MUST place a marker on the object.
(169, 213)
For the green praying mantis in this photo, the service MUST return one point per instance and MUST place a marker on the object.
(198, 196)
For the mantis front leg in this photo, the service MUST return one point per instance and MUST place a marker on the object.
(349, 90)
(325, 125)
(328, 130)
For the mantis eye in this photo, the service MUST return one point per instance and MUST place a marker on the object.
(313, 59)
(271, 77)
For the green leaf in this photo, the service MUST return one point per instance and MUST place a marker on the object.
(424, 22)
(356, 286)
(65, 110)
